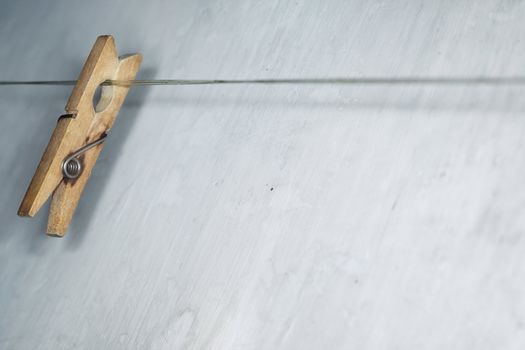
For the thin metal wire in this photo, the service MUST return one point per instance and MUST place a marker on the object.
(38, 82)
(71, 166)
(481, 80)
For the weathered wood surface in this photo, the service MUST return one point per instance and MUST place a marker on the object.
(88, 120)
(273, 217)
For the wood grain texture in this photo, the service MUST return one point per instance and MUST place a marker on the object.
(273, 217)
(86, 124)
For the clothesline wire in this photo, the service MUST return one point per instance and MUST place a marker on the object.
(473, 80)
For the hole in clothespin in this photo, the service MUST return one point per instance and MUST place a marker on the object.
(102, 97)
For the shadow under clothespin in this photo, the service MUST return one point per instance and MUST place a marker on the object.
(78, 138)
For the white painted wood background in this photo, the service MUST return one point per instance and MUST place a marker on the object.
(273, 217)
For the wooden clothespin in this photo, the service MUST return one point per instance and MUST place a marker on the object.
(78, 138)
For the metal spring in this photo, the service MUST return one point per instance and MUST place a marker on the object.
(72, 167)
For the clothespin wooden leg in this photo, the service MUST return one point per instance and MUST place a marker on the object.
(83, 125)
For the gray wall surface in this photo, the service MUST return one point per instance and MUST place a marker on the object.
(273, 217)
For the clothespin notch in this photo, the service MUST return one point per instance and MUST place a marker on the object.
(79, 135)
